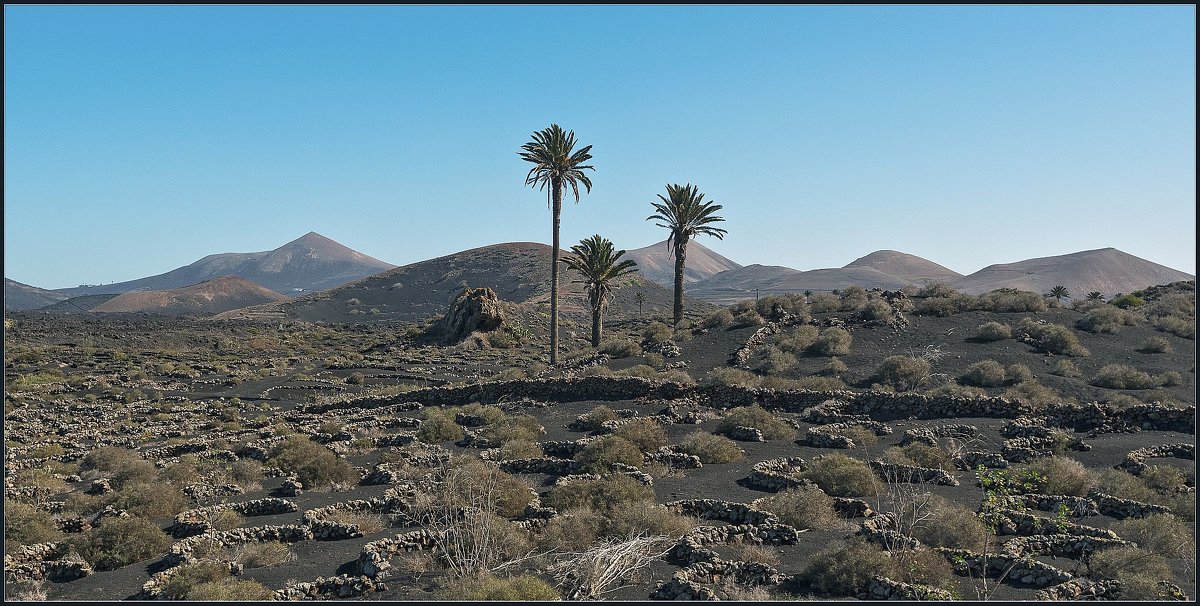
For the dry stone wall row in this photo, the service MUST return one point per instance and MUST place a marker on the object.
(197, 521)
(1020, 571)
(55, 562)
(1135, 461)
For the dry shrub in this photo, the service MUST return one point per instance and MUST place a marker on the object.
(1010, 300)
(941, 307)
(230, 589)
(520, 449)
(1123, 376)
(861, 436)
(599, 454)
(1019, 373)
(757, 554)
(622, 348)
(1163, 478)
(1179, 327)
(904, 373)
(657, 332)
(1062, 476)
(771, 359)
(602, 495)
(813, 383)
(717, 319)
(1138, 570)
(952, 388)
(1066, 368)
(805, 507)
(772, 427)
(842, 476)
(108, 458)
(797, 340)
(875, 310)
(519, 426)
(121, 541)
(367, 523)
(593, 419)
(645, 518)
(1160, 533)
(920, 455)
(711, 448)
(1122, 484)
(1052, 338)
(986, 373)
(748, 318)
(524, 588)
(846, 567)
(1105, 319)
(150, 500)
(646, 434)
(1034, 393)
(438, 426)
(776, 307)
(947, 524)
(993, 331)
(27, 525)
(571, 530)
(311, 462)
(262, 555)
(184, 580)
(832, 341)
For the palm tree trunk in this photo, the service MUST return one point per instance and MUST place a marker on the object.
(597, 326)
(556, 188)
(680, 254)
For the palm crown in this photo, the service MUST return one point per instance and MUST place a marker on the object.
(686, 214)
(554, 162)
(595, 259)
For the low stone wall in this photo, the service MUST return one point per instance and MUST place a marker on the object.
(778, 474)
(1072, 546)
(667, 455)
(882, 588)
(1018, 571)
(726, 511)
(195, 521)
(339, 587)
(896, 472)
(1082, 589)
(1012, 522)
(554, 467)
(745, 434)
(1125, 508)
(157, 585)
(181, 551)
(1135, 461)
(373, 560)
(972, 459)
(55, 562)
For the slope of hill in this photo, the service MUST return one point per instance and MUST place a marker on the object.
(211, 297)
(23, 297)
(519, 272)
(737, 284)
(904, 266)
(75, 305)
(657, 263)
(1106, 270)
(308, 264)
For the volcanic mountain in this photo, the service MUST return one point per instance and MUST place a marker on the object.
(747, 282)
(657, 263)
(308, 264)
(519, 272)
(1106, 270)
(23, 297)
(904, 266)
(207, 298)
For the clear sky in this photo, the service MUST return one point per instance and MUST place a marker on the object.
(139, 139)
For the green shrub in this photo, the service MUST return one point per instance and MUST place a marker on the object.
(842, 476)
(903, 373)
(1067, 368)
(1155, 345)
(313, 464)
(438, 426)
(921, 455)
(623, 348)
(717, 319)
(987, 373)
(1052, 338)
(184, 580)
(993, 331)
(832, 341)
(1061, 476)
(711, 448)
(805, 507)
(602, 495)
(1105, 319)
(601, 453)
(1127, 301)
(646, 434)
(121, 541)
(772, 427)
(1122, 376)
(524, 588)
(593, 419)
(657, 332)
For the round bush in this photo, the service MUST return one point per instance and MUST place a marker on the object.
(711, 448)
(121, 541)
(988, 373)
(772, 427)
(950, 525)
(437, 427)
(1155, 344)
(646, 434)
(1122, 376)
(313, 464)
(993, 331)
(594, 418)
(903, 372)
(1019, 373)
(832, 341)
(1062, 476)
(805, 507)
(602, 452)
(1067, 368)
(842, 476)
(603, 495)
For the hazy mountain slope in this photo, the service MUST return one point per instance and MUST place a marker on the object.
(904, 266)
(657, 263)
(519, 272)
(23, 297)
(309, 263)
(735, 284)
(211, 297)
(1106, 270)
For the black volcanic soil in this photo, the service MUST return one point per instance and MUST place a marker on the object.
(126, 362)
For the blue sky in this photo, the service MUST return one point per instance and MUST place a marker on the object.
(139, 139)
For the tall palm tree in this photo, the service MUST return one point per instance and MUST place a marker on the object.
(687, 215)
(595, 260)
(555, 164)
(1059, 293)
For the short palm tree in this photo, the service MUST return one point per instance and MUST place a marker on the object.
(599, 265)
(555, 164)
(1095, 295)
(687, 215)
(1059, 293)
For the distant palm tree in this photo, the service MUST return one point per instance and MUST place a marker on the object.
(1095, 295)
(1059, 293)
(556, 164)
(641, 301)
(686, 214)
(599, 265)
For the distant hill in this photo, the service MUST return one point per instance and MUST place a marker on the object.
(207, 298)
(23, 297)
(904, 266)
(657, 263)
(519, 272)
(1106, 270)
(737, 284)
(307, 264)
(75, 305)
